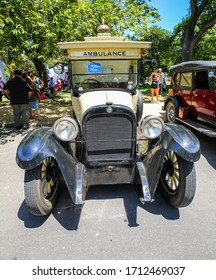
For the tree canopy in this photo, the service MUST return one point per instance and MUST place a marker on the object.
(193, 29)
(30, 30)
(192, 39)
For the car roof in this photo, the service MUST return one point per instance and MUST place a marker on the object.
(196, 65)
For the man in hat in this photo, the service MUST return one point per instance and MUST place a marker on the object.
(18, 91)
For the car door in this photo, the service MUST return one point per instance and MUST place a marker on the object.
(204, 94)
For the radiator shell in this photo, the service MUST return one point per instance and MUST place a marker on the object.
(109, 135)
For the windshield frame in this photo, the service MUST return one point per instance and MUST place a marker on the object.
(129, 87)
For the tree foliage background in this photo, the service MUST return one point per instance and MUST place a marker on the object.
(30, 30)
(195, 29)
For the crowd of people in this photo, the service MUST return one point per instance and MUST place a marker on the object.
(158, 84)
(25, 92)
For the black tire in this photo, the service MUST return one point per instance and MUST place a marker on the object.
(178, 180)
(139, 111)
(42, 187)
(171, 112)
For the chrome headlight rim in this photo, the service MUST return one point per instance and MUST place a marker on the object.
(148, 119)
(70, 121)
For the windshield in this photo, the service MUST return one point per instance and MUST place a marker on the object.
(98, 74)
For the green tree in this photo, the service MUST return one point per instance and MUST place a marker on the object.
(205, 49)
(201, 18)
(160, 48)
(193, 38)
(30, 30)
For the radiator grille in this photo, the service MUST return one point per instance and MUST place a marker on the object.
(109, 137)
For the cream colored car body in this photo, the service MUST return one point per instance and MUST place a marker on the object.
(91, 99)
(116, 55)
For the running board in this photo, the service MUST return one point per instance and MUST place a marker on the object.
(200, 127)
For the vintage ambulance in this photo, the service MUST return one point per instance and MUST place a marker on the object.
(106, 140)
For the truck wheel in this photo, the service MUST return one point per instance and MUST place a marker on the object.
(171, 112)
(42, 187)
(178, 180)
(139, 110)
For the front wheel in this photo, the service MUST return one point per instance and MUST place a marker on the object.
(139, 110)
(171, 112)
(178, 180)
(42, 187)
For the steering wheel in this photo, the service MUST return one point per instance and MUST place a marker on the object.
(91, 84)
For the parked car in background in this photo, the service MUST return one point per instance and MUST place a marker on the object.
(193, 98)
(106, 140)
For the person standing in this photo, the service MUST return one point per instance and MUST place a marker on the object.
(19, 91)
(34, 97)
(154, 79)
(1, 88)
(51, 87)
(37, 82)
(161, 81)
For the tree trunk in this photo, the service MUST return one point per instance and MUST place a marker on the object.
(191, 37)
(188, 46)
(41, 69)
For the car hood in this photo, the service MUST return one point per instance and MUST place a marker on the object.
(96, 98)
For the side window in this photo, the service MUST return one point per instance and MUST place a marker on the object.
(186, 81)
(176, 80)
(201, 80)
(212, 79)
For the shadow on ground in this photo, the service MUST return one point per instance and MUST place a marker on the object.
(69, 216)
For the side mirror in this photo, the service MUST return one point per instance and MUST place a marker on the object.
(154, 62)
(58, 68)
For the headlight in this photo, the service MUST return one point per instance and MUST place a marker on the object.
(152, 127)
(66, 129)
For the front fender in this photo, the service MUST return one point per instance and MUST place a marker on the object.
(182, 141)
(175, 138)
(174, 99)
(34, 147)
(40, 144)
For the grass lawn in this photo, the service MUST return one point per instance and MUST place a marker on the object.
(53, 108)
(50, 109)
(145, 89)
